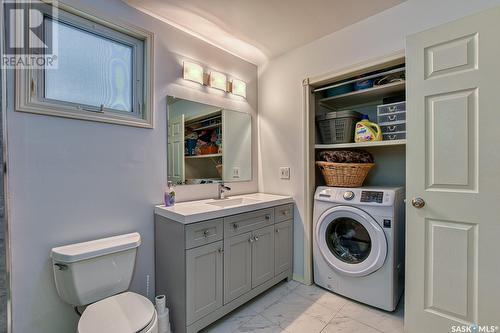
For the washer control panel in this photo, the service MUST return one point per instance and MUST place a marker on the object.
(369, 196)
(349, 195)
(372, 196)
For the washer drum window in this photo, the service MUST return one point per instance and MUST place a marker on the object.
(351, 241)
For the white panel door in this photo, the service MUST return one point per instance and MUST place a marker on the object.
(453, 152)
(176, 169)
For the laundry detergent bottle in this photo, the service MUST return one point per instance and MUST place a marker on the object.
(367, 131)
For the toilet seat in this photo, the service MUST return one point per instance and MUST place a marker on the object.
(125, 313)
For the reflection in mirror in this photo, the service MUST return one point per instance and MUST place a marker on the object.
(207, 144)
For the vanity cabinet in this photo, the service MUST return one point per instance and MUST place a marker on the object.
(262, 255)
(204, 280)
(283, 236)
(237, 266)
(209, 268)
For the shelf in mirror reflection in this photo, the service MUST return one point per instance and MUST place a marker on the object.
(203, 156)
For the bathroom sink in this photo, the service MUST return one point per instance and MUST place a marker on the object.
(223, 203)
(201, 210)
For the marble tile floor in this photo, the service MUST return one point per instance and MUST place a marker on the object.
(291, 307)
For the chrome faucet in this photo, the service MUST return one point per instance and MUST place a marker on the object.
(222, 190)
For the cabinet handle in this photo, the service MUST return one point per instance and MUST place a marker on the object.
(256, 238)
(278, 231)
(268, 216)
(284, 212)
(251, 240)
(235, 225)
(392, 108)
(391, 128)
(392, 117)
(205, 233)
(221, 250)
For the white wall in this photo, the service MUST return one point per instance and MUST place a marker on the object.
(72, 180)
(280, 87)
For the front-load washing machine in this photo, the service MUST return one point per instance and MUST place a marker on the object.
(358, 243)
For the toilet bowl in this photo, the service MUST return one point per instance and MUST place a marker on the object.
(97, 274)
(126, 312)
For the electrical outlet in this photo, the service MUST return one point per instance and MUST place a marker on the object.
(285, 173)
(236, 172)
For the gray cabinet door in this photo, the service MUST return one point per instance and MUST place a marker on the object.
(204, 280)
(262, 255)
(237, 266)
(282, 247)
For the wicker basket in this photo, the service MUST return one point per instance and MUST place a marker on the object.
(344, 174)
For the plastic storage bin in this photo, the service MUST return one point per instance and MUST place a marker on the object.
(391, 108)
(395, 127)
(340, 90)
(391, 118)
(394, 136)
(337, 126)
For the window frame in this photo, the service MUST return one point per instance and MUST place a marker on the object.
(30, 89)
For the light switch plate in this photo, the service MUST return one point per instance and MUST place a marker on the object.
(285, 173)
(236, 172)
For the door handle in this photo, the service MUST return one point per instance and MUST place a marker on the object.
(418, 202)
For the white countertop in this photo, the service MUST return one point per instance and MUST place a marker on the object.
(200, 210)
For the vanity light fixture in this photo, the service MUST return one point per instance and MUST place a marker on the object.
(218, 80)
(239, 88)
(192, 72)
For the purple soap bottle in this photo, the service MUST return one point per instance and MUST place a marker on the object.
(169, 196)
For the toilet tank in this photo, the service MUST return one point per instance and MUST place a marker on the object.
(88, 272)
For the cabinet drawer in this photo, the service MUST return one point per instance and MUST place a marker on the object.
(393, 117)
(391, 108)
(241, 223)
(395, 127)
(202, 233)
(283, 213)
(394, 136)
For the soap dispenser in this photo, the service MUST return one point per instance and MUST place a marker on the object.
(169, 196)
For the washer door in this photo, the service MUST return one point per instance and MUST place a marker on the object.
(351, 241)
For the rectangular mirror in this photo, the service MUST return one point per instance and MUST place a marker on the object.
(207, 144)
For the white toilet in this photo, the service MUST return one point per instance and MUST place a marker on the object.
(97, 274)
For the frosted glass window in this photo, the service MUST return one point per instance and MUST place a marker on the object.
(92, 70)
(103, 71)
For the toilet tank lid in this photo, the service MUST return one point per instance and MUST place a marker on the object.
(95, 248)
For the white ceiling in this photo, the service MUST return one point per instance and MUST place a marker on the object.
(257, 30)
